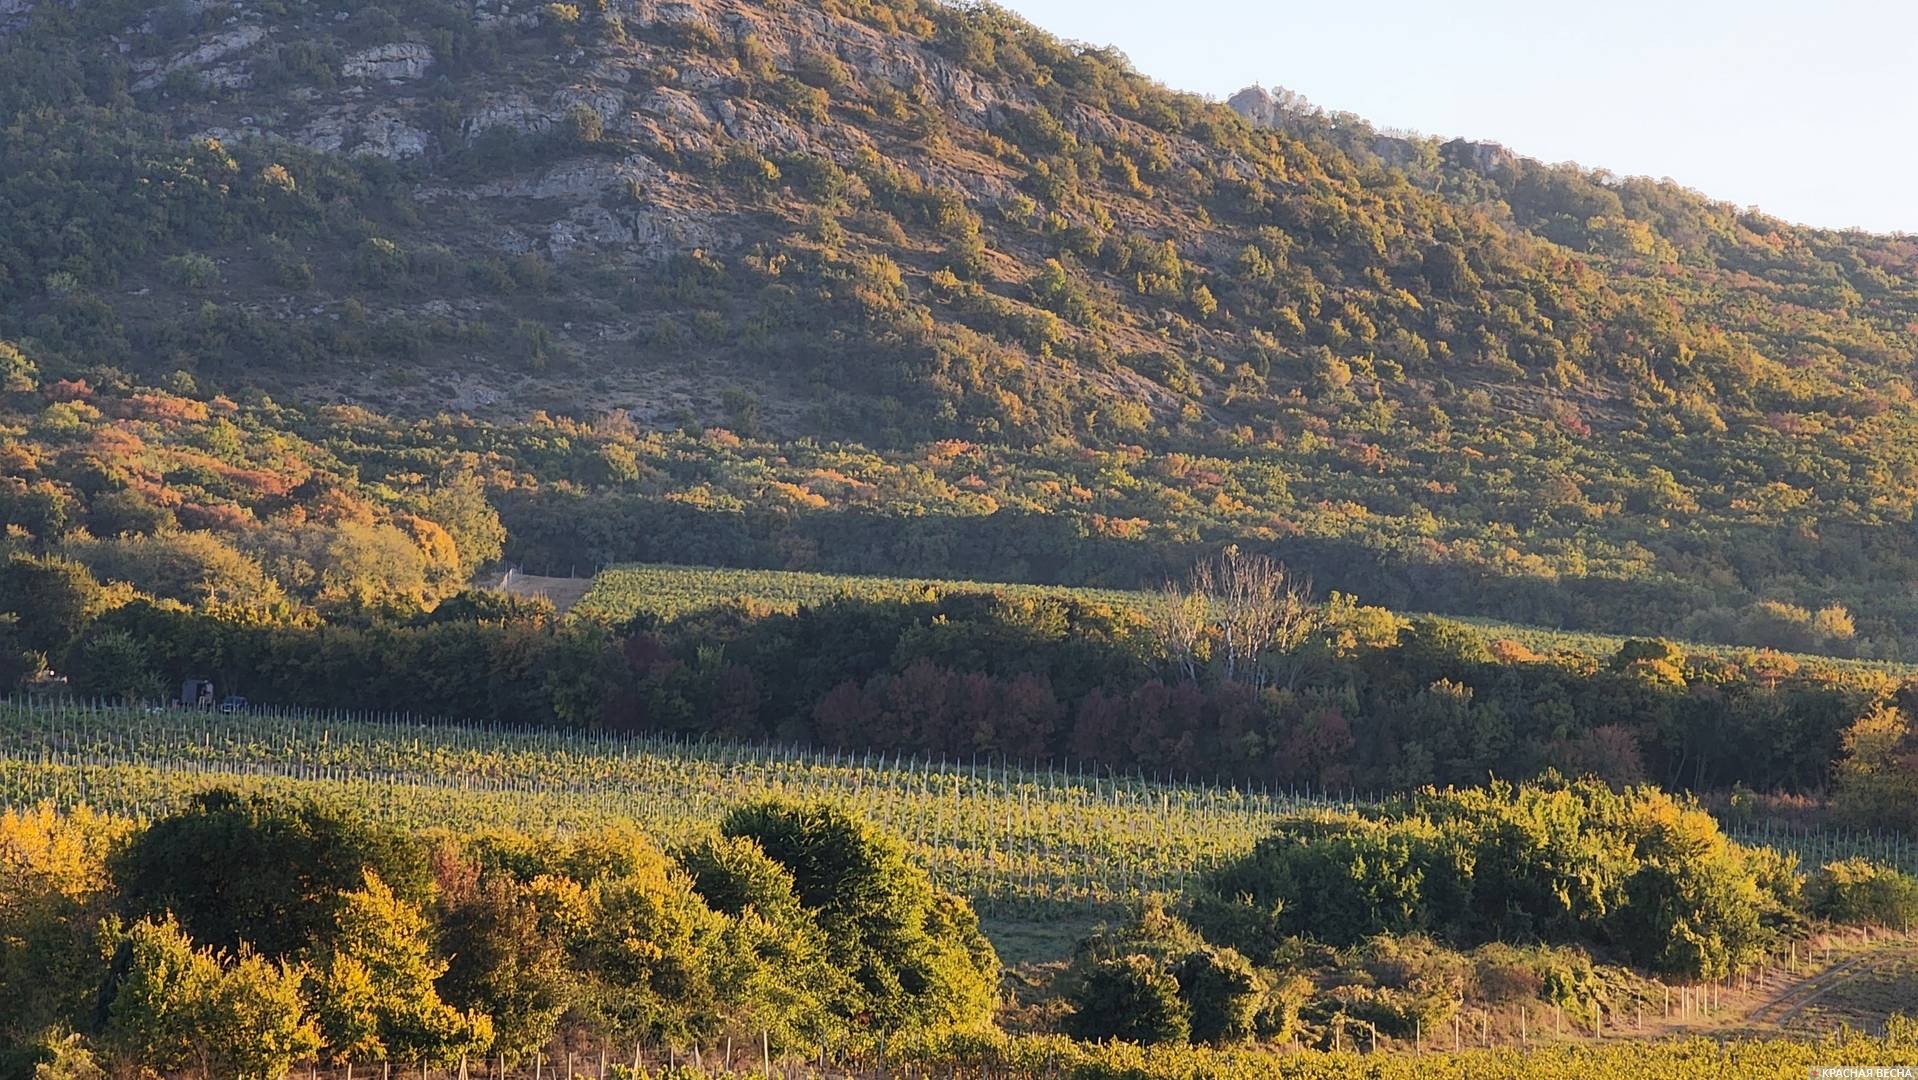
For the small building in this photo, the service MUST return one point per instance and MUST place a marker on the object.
(197, 694)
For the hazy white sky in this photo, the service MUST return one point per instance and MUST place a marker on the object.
(1807, 109)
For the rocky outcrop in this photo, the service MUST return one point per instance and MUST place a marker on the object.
(1281, 108)
(669, 106)
(1488, 158)
(383, 132)
(217, 61)
(515, 111)
(589, 179)
(13, 13)
(650, 233)
(398, 61)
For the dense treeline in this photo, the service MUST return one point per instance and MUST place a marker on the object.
(288, 512)
(243, 935)
(1335, 695)
(1362, 700)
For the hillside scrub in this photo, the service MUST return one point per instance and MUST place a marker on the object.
(1008, 308)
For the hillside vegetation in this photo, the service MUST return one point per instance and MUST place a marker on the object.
(907, 288)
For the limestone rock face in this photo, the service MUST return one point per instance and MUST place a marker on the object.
(13, 12)
(666, 105)
(379, 133)
(593, 149)
(218, 61)
(1256, 104)
(399, 61)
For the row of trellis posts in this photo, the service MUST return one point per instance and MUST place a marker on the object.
(1816, 844)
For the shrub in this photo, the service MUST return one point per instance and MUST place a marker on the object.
(1057, 291)
(290, 270)
(823, 70)
(1561, 862)
(743, 164)
(1218, 993)
(1222, 993)
(192, 271)
(586, 125)
(380, 263)
(534, 343)
(178, 1007)
(64, 1056)
(1131, 998)
(1859, 892)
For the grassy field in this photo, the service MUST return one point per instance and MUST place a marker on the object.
(621, 592)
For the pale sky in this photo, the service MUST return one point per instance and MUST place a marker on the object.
(1807, 109)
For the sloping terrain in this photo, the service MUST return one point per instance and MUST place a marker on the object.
(924, 290)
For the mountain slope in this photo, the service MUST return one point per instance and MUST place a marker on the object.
(1062, 323)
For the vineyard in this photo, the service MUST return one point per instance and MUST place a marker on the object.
(1059, 1059)
(666, 592)
(1012, 837)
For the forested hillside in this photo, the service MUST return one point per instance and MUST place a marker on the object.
(299, 295)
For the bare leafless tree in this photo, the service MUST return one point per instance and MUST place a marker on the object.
(1259, 607)
(1243, 608)
(1180, 618)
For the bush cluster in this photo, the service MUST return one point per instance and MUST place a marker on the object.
(246, 934)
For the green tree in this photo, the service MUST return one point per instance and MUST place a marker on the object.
(178, 1007)
(111, 663)
(461, 508)
(374, 987)
(54, 599)
(18, 375)
(505, 961)
(771, 962)
(1859, 892)
(257, 1023)
(158, 1016)
(263, 872)
(54, 894)
(914, 953)
(1877, 781)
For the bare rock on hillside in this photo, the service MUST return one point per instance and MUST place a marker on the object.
(383, 132)
(397, 61)
(13, 13)
(217, 61)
